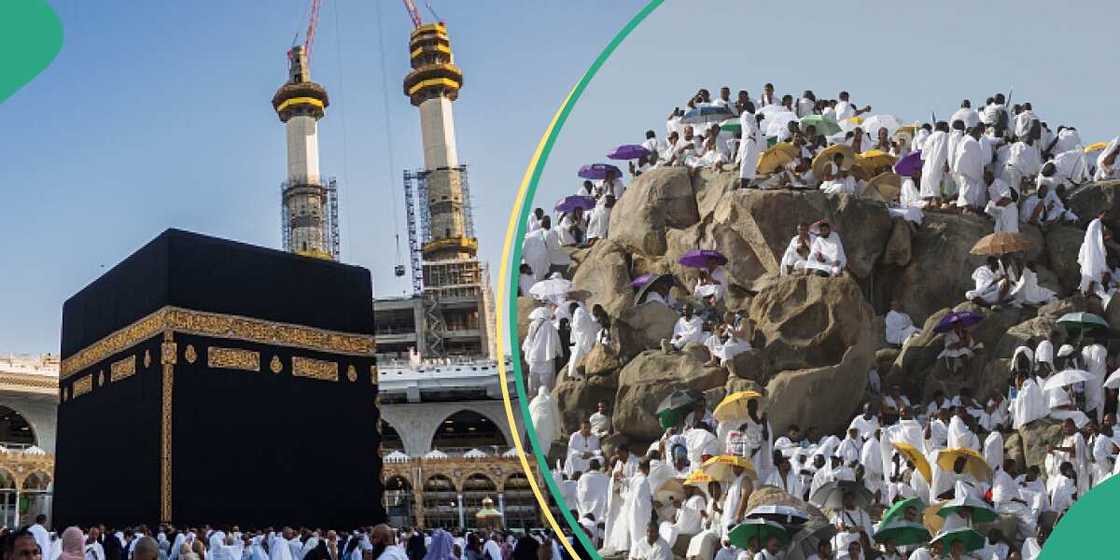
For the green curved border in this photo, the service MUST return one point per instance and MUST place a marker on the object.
(511, 280)
(31, 33)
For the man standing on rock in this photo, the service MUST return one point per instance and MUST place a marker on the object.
(750, 147)
(541, 348)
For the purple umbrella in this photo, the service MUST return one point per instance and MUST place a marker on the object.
(702, 258)
(597, 171)
(628, 151)
(957, 318)
(641, 280)
(569, 203)
(909, 164)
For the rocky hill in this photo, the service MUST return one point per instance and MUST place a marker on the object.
(815, 338)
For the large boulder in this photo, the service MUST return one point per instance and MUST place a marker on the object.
(605, 273)
(1063, 242)
(767, 220)
(578, 399)
(1089, 200)
(825, 397)
(940, 269)
(643, 327)
(650, 377)
(711, 186)
(809, 321)
(897, 252)
(600, 361)
(656, 201)
(1037, 437)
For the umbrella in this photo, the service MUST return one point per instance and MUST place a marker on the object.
(974, 463)
(831, 495)
(897, 511)
(874, 159)
(1113, 381)
(931, 520)
(671, 488)
(914, 456)
(768, 112)
(1082, 321)
(597, 171)
(910, 164)
(971, 539)
(551, 288)
(777, 122)
(884, 186)
(785, 515)
(1001, 243)
(570, 203)
(872, 124)
(903, 533)
(804, 542)
(629, 151)
(1066, 377)
(1095, 147)
(698, 478)
(731, 125)
(849, 124)
(734, 405)
(824, 125)
(707, 114)
(679, 399)
(762, 529)
(721, 467)
(957, 318)
(641, 280)
(980, 511)
(645, 288)
(702, 258)
(824, 157)
(776, 156)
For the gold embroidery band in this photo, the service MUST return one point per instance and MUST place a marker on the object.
(218, 325)
(233, 358)
(314, 369)
(122, 369)
(165, 427)
(82, 386)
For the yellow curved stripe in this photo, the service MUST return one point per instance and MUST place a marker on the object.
(300, 101)
(439, 48)
(433, 82)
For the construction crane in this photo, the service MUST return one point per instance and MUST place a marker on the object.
(309, 35)
(413, 13)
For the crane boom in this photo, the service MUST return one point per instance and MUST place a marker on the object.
(312, 24)
(413, 13)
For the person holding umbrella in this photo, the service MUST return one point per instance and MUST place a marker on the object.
(853, 524)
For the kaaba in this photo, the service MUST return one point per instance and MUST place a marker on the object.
(209, 381)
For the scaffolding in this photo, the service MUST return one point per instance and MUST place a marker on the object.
(413, 206)
(328, 192)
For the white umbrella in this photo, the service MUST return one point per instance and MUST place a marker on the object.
(872, 124)
(777, 121)
(1066, 377)
(551, 288)
(1113, 381)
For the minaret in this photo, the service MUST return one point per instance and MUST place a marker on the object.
(432, 85)
(300, 103)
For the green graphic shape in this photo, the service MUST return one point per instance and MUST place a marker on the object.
(31, 34)
(1087, 529)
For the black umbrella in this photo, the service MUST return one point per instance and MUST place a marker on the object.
(831, 495)
(804, 542)
(638, 297)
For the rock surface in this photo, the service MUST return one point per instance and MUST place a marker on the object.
(652, 376)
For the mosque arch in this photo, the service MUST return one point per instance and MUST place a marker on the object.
(390, 438)
(441, 502)
(15, 428)
(477, 487)
(400, 501)
(469, 429)
(520, 505)
(37, 481)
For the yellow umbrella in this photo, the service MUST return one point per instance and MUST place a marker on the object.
(910, 129)
(776, 156)
(698, 478)
(874, 159)
(855, 120)
(824, 157)
(670, 489)
(975, 464)
(884, 186)
(1095, 147)
(735, 405)
(931, 520)
(914, 456)
(721, 467)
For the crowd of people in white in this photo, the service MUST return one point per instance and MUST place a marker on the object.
(908, 479)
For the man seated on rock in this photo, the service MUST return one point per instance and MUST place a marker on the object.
(1026, 290)
(959, 347)
(797, 252)
(689, 328)
(893, 403)
(866, 423)
(992, 284)
(899, 326)
(836, 179)
(583, 446)
(600, 421)
(1043, 206)
(723, 346)
(1001, 205)
(826, 254)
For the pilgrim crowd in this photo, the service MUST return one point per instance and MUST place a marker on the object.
(907, 479)
(380, 542)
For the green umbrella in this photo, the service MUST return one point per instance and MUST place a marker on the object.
(1082, 321)
(824, 125)
(762, 529)
(903, 533)
(898, 509)
(731, 125)
(971, 539)
(981, 511)
(672, 416)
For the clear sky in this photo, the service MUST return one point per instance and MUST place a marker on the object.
(158, 114)
(902, 58)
